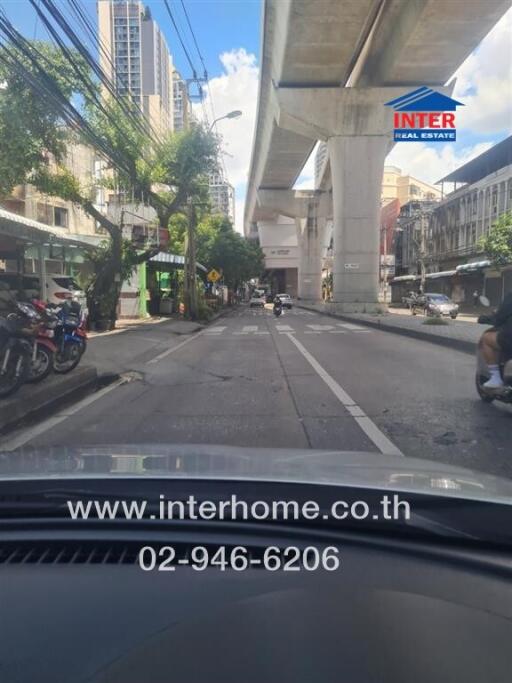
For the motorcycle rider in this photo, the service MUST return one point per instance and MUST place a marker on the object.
(278, 305)
(497, 341)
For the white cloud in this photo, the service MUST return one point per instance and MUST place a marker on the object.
(484, 83)
(429, 163)
(236, 88)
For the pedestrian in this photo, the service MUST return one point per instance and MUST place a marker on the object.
(475, 298)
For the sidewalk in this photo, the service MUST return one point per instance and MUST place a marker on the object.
(461, 335)
(176, 324)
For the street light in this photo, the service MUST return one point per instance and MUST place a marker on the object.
(235, 114)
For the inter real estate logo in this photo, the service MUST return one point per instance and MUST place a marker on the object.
(424, 115)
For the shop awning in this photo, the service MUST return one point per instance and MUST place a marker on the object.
(404, 278)
(442, 273)
(174, 259)
(28, 230)
(471, 267)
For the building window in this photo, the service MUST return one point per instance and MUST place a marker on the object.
(60, 217)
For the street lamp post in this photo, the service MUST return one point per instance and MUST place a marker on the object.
(235, 114)
(189, 267)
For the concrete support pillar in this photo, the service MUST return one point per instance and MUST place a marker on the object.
(310, 231)
(356, 166)
(309, 209)
(358, 128)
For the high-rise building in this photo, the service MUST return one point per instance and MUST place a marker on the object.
(134, 54)
(182, 108)
(222, 195)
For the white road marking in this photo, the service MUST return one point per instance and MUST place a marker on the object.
(29, 434)
(174, 348)
(351, 326)
(284, 328)
(338, 331)
(321, 328)
(365, 423)
(312, 332)
(215, 330)
(249, 328)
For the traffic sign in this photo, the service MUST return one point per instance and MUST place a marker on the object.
(213, 275)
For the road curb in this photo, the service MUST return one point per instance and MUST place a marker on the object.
(34, 401)
(455, 344)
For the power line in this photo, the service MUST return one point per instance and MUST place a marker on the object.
(194, 39)
(187, 55)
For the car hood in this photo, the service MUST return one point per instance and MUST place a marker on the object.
(343, 468)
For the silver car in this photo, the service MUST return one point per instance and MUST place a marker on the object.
(440, 305)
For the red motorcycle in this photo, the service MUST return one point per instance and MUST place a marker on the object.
(41, 339)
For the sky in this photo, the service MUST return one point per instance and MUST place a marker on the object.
(228, 35)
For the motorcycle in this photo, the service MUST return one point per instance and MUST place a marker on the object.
(482, 372)
(277, 310)
(42, 347)
(70, 333)
(15, 357)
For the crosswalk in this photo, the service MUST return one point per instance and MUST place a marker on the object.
(258, 312)
(282, 328)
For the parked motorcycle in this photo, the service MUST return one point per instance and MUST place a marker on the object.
(70, 333)
(15, 357)
(43, 348)
(482, 372)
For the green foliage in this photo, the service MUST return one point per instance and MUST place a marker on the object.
(219, 246)
(177, 232)
(497, 244)
(30, 124)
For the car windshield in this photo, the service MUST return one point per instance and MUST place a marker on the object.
(236, 224)
(438, 298)
(66, 283)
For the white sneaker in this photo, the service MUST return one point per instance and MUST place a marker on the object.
(493, 383)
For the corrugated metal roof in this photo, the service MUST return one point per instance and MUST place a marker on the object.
(23, 228)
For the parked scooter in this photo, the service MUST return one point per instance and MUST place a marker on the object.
(43, 348)
(26, 351)
(482, 372)
(15, 357)
(70, 333)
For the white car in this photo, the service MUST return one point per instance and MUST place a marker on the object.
(286, 300)
(257, 301)
(60, 288)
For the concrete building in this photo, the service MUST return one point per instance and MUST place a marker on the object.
(222, 195)
(467, 214)
(454, 227)
(136, 57)
(405, 188)
(182, 107)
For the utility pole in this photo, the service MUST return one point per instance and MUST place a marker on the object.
(422, 248)
(189, 285)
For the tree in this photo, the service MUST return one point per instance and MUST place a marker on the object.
(164, 173)
(497, 244)
(30, 126)
(219, 246)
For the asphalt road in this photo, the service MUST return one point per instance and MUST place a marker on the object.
(301, 381)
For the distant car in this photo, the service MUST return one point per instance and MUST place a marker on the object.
(61, 288)
(257, 301)
(286, 300)
(440, 304)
